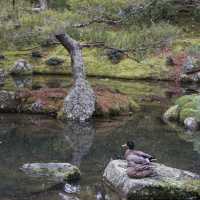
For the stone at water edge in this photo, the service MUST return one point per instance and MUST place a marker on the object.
(56, 172)
(191, 124)
(21, 67)
(168, 183)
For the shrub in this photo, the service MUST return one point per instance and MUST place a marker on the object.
(196, 14)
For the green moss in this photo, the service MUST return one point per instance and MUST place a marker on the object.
(72, 176)
(189, 107)
(193, 185)
(168, 190)
(184, 100)
(129, 69)
(185, 43)
(187, 112)
(96, 64)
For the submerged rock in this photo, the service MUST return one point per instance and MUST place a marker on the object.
(67, 197)
(21, 67)
(167, 183)
(58, 172)
(71, 189)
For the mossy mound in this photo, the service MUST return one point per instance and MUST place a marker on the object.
(153, 66)
(185, 107)
(97, 64)
(50, 101)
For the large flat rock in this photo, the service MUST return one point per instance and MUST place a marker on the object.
(56, 172)
(167, 183)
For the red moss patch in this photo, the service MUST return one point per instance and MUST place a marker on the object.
(50, 101)
(109, 102)
(47, 100)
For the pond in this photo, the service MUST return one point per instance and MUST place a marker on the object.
(34, 138)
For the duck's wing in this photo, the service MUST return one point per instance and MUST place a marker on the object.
(137, 159)
(142, 154)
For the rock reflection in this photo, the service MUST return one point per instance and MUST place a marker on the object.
(23, 81)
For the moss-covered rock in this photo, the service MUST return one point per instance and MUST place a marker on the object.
(167, 183)
(58, 172)
(185, 107)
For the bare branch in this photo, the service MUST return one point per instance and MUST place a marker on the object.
(98, 20)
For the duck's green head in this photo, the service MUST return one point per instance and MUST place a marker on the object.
(130, 145)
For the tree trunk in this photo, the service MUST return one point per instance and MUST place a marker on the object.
(43, 4)
(80, 102)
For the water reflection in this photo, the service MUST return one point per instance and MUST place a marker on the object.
(23, 81)
(26, 138)
(80, 138)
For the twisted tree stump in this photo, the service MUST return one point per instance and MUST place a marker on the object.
(80, 102)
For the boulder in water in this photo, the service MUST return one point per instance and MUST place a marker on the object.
(167, 183)
(57, 172)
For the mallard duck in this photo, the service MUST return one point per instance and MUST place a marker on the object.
(138, 162)
(140, 155)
